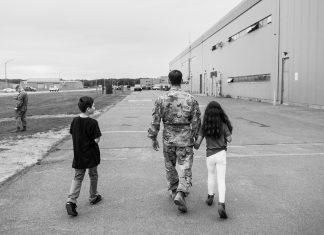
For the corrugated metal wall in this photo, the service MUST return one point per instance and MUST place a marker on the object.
(302, 36)
(296, 28)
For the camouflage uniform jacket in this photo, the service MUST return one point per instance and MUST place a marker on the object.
(22, 100)
(180, 114)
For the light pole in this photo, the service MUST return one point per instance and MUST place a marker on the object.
(5, 70)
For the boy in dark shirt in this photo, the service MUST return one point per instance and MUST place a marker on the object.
(85, 135)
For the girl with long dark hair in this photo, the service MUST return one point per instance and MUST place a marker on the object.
(217, 129)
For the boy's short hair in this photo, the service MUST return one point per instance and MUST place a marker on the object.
(84, 103)
(175, 77)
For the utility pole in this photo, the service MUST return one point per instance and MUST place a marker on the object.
(5, 70)
(104, 86)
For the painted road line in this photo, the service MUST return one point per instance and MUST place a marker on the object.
(231, 146)
(139, 100)
(274, 155)
(277, 144)
(107, 132)
(231, 155)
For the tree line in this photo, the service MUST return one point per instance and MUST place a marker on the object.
(94, 83)
(112, 81)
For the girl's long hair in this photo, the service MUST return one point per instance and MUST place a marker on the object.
(213, 121)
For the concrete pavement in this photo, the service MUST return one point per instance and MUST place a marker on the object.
(274, 178)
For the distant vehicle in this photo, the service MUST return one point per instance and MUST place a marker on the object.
(137, 87)
(166, 87)
(146, 87)
(117, 87)
(54, 89)
(8, 90)
(29, 88)
(156, 87)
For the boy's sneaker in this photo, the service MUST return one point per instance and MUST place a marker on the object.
(180, 202)
(222, 211)
(210, 199)
(97, 199)
(70, 208)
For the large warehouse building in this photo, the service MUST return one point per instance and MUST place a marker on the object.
(269, 50)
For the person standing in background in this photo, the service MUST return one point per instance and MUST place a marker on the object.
(21, 109)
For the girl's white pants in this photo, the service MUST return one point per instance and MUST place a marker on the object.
(216, 167)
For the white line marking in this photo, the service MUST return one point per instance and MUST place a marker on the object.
(231, 155)
(278, 144)
(114, 159)
(123, 132)
(139, 100)
(275, 154)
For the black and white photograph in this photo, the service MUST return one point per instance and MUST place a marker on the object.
(162, 117)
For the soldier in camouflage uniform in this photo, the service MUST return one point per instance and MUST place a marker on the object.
(21, 109)
(180, 114)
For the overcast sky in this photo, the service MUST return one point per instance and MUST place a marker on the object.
(79, 39)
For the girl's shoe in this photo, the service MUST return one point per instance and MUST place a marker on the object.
(97, 199)
(210, 199)
(222, 211)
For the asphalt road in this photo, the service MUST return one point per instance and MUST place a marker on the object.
(274, 178)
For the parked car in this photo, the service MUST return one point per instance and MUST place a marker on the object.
(9, 90)
(29, 88)
(54, 89)
(156, 87)
(137, 87)
(166, 87)
(146, 87)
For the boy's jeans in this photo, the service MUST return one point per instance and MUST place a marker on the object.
(77, 182)
(21, 119)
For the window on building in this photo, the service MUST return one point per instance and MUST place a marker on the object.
(213, 74)
(257, 25)
(253, 28)
(250, 78)
(218, 45)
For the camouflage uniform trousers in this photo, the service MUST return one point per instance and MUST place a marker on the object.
(21, 119)
(181, 179)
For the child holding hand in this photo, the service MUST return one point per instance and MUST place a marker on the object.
(217, 130)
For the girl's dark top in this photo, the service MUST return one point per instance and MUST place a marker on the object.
(84, 131)
(214, 145)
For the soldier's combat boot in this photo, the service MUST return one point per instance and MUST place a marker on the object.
(210, 199)
(179, 200)
(222, 211)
